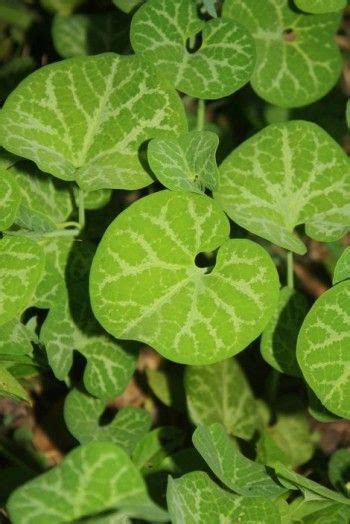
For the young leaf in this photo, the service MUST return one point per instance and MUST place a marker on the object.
(221, 393)
(185, 164)
(196, 498)
(155, 446)
(10, 387)
(85, 118)
(127, 5)
(279, 339)
(173, 305)
(91, 479)
(298, 61)
(320, 6)
(82, 414)
(97, 199)
(62, 7)
(21, 267)
(237, 472)
(323, 347)
(90, 34)
(279, 178)
(342, 268)
(167, 386)
(15, 338)
(223, 63)
(10, 198)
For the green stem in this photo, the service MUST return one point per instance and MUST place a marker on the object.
(81, 208)
(200, 114)
(290, 270)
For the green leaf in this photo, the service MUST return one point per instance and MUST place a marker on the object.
(62, 7)
(298, 60)
(279, 339)
(10, 387)
(10, 198)
(15, 12)
(210, 7)
(237, 472)
(186, 164)
(45, 202)
(200, 318)
(318, 410)
(15, 338)
(127, 5)
(195, 498)
(11, 73)
(90, 34)
(150, 451)
(320, 6)
(167, 386)
(268, 451)
(342, 268)
(97, 199)
(339, 470)
(92, 478)
(21, 267)
(318, 511)
(85, 118)
(221, 393)
(223, 63)
(323, 348)
(278, 179)
(82, 414)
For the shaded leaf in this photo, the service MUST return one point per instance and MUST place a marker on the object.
(342, 268)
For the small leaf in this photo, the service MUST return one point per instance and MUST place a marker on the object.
(196, 498)
(84, 119)
(157, 238)
(127, 5)
(318, 511)
(10, 198)
(167, 386)
(62, 7)
(15, 338)
(298, 60)
(21, 267)
(185, 164)
(10, 387)
(323, 348)
(223, 63)
(90, 34)
(339, 470)
(97, 199)
(155, 446)
(82, 414)
(91, 479)
(210, 7)
(278, 179)
(221, 393)
(279, 339)
(237, 472)
(342, 268)
(320, 6)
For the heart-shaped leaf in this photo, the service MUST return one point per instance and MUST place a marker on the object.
(288, 174)
(223, 63)
(21, 267)
(196, 494)
(82, 415)
(91, 479)
(221, 393)
(85, 118)
(320, 6)
(173, 305)
(10, 198)
(342, 268)
(187, 163)
(323, 347)
(297, 61)
(279, 338)
(90, 34)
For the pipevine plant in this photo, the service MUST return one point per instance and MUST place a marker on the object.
(174, 276)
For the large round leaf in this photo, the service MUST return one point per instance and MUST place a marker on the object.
(320, 6)
(288, 174)
(323, 349)
(298, 61)
(146, 286)
(223, 63)
(85, 118)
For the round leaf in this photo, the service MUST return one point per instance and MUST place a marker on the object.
(320, 6)
(21, 267)
(298, 61)
(223, 63)
(146, 286)
(85, 118)
(288, 174)
(342, 268)
(323, 349)
(185, 164)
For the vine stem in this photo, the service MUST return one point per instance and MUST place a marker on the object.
(81, 209)
(290, 270)
(200, 114)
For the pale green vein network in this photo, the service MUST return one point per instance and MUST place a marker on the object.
(298, 61)
(288, 174)
(85, 118)
(145, 285)
(10, 199)
(323, 349)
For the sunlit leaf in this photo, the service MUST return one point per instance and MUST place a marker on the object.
(10, 198)
(342, 268)
(320, 6)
